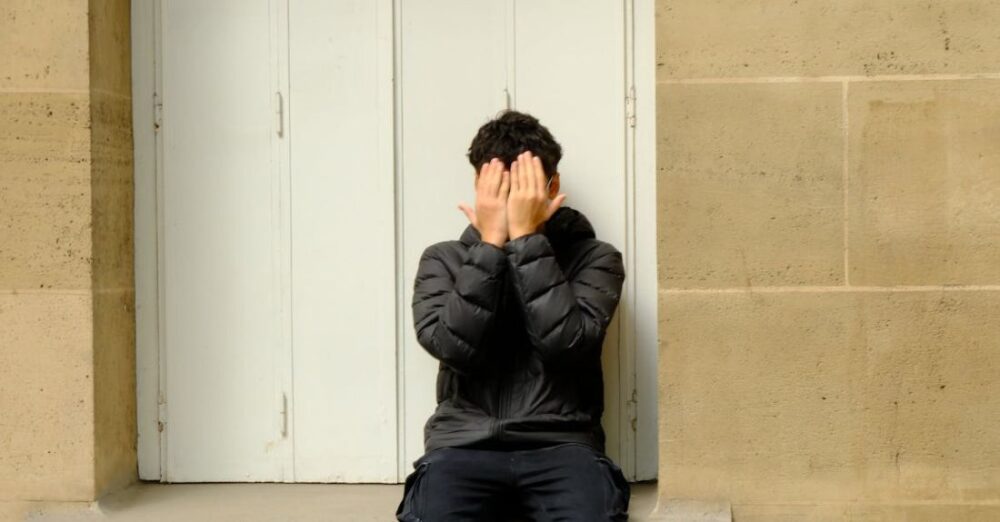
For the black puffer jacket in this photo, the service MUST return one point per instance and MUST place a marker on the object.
(518, 333)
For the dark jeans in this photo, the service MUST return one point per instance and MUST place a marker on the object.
(562, 482)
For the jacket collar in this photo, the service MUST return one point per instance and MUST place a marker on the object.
(565, 226)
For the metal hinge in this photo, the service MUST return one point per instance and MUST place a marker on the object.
(630, 106)
(506, 97)
(633, 413)
(284, 415)
(279, 113)
(161, 411)
(157, 112)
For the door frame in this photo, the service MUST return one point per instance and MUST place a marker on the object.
(640, 327)
(638, 373)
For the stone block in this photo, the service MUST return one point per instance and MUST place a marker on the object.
(110, 47)
(767, 38)
(45, 192)
(830, 397)
(924, 183)
(45, 45)
(46, 396)
(113, 192)
(750, 184)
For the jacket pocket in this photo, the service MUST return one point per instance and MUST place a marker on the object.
(619, 491)
(410, 509)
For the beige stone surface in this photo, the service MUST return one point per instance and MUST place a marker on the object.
(44, 45)
(931, 395)
(113, 278)
(758, 399)
(750, 184)
(67, 364)
(867, 513)
(45, 191)
(754, 38)
(826, 402)
(46, 397)
(112, 192)
(869, 398)
(115, 432)
(925, 183)
(110, 46)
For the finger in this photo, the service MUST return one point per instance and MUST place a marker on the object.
(494, 176)
(522, 175)
(515, 176)
(499, 174)
(469, 213)
(554, 205)
(504, 184)
(524, 165)
(529, 172)
(527, 181)
(539, 174)
(482, 176)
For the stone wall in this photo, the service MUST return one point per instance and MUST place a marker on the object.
(829, 258)
(67, 354)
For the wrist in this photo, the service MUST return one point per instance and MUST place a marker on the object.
(494, 240)
(521, 232)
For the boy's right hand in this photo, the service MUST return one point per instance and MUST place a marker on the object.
(490, 216)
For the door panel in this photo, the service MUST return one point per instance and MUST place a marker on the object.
(343, 241)
(565, 66)
(453, 68)
(570, 73)
(221, 307)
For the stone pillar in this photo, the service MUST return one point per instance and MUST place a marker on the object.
(67, 350)
(829, 221)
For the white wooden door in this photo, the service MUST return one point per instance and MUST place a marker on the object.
(462, 62)
(308, 152)
(279, 260)
(224, 353)
(343, 240)
(579, 89)
(453, 79)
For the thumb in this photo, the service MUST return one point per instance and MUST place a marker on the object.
(554, 205)
(469, 213)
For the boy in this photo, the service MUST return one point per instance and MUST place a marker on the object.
(516, 312)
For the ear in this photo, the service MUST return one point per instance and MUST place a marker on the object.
(553, 186)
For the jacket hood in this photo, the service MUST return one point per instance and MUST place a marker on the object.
(566, 225)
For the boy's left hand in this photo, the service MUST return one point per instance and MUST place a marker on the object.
(528, 204)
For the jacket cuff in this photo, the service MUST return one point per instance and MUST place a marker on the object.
(487, 256)
(527, 248)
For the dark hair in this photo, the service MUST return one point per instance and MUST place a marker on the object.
(511, 133)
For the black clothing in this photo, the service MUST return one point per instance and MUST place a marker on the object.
(518, 332)
(556, 483)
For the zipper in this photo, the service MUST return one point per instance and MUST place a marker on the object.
(495, 420)
(500, 413)
(502, 393)
(501, 379)
(505, 387)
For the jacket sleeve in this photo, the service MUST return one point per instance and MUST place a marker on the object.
(452, 314)
(566, 319)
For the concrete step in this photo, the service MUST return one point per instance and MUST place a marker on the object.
(259, 502)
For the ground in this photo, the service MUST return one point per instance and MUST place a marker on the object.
(155, 502)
